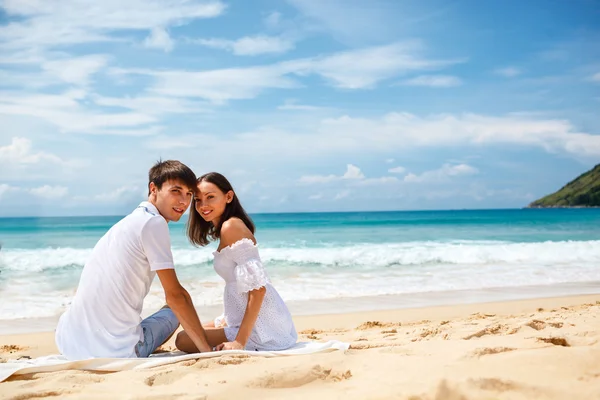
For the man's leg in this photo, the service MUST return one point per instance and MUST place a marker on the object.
(157, 328)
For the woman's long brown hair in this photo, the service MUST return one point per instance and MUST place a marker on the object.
(201, 232)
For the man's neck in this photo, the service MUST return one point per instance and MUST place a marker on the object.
(152, 201)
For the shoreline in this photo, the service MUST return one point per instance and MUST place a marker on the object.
(364, 304)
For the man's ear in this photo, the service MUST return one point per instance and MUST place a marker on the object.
(152, 189)
(229, 196)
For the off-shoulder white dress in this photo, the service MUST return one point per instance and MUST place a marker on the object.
(242, 269)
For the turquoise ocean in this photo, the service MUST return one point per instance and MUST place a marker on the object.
(338, 257)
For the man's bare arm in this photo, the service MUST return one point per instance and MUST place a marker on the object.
(180, 302)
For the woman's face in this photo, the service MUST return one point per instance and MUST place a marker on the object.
(210, 201)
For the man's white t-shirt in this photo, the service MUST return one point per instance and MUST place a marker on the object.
(104, 317)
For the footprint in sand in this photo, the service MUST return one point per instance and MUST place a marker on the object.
(489, 350)
(311, 332)
(396, 350)
(12, 348)
(495, 384)
(215, 362)
(179, 396)
(443, 392)
(72, 379)
(372, 345)
(557, 341)
(496, 329)
(233, 360)
(164, 378)
(377, 324)
(85, 377)
(40, 394)
(505, 385)
(539, 325)
(536, 324)
(299, 376)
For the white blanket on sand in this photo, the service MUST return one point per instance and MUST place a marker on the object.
(59, 363)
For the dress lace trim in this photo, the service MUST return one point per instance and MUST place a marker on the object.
(233, 246)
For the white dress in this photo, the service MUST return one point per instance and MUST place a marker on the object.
(241, 268)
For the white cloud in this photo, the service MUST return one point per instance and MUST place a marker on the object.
(404, 130)
(508, 72)
(397, 170)
(384, 180)
(352, 173)
(217, 86)
(54, 69)
(153, 105)
(392, 132)
(596, 77)
(163, 142)
(342, 195)
(75, 70)
(318, 178)
(298, 107)
(159, 38)
(446, 172)
(435, 81)
(246, 186)
(292, 105)
(6, 189)
(19, 151)
(273, 20)
(122, 193)
(355, 69)
(364, 68)
(250, 45)
(70, 116)
(40, 23)
(349, 21)
(50, 192)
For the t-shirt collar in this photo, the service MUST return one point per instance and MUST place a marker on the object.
(151, 208)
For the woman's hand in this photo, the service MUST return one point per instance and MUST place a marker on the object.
(235, 345)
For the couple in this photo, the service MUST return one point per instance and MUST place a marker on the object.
(104, 319)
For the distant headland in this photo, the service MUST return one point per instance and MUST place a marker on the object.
(582, 192)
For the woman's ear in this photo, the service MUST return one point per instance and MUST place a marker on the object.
(229, 196)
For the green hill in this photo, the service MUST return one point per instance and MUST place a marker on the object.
(581, 192)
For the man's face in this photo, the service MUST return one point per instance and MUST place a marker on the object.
(173, 198)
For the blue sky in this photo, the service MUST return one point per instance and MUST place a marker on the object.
(305, 105)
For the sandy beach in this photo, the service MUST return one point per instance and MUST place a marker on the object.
(525, 349)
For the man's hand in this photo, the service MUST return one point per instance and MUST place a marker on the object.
(235, 345)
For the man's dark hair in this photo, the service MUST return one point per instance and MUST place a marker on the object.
(163, 171)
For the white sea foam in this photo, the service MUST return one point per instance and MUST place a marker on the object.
(354, 255)
(29, 287)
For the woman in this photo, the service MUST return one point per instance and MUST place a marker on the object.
(255, 316)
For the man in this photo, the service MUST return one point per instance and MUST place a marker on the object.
(104, 317)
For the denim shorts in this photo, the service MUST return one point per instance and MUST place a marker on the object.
(156, 330)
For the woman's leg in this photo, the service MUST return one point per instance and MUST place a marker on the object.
(215, 337)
